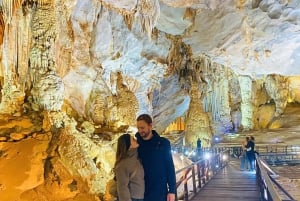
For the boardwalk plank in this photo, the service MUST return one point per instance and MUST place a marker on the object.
(230, 184)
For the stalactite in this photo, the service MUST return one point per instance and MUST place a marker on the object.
(246, 105)
(43, 2)
(191, 15)
(277, 88)
(99, 109)
(119, 10)
(9, 7)
(15, 59)
(47, 88)
(2, 28)
(247, 30)
(125, 96)
(179, 57)
(43, 32)
(149, 11)
(216, 92)
(128, 18)
(255, 3)
(155, 32)
(240, 4)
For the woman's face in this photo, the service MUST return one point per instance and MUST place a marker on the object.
(133, 143)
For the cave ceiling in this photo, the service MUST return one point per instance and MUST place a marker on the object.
(93, 56)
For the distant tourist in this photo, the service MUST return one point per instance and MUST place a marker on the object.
(243, 157)
(251, 154)
(198, 147)
(155, 153)
(253, 139)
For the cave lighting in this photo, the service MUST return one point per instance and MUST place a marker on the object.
(207, 155)
(224, 157)
(174, 151)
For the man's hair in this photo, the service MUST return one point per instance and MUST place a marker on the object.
(145, 117)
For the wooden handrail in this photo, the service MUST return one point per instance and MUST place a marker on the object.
(266, 183)
(264, 148)
(273, 153)
(199, 173)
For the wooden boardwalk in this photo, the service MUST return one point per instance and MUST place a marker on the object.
(230, 184)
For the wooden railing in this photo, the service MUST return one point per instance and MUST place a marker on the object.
(262, 148)
(279, 154)
(270, 189)
(267, 183)
(274, 154)
(193, 177)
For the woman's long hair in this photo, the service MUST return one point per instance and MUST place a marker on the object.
(122, 148)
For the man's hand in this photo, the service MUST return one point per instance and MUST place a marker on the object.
(171, 197)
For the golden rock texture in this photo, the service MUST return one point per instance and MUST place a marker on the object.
(197, 123)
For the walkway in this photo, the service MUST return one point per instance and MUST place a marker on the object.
(230, 184)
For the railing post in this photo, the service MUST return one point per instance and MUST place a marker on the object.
(199, 175)
(219, 161)
(208, 165)
(194, 180)
(186, 190)
(214, 165)
(203, 172)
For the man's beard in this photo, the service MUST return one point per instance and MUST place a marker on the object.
(146, 134)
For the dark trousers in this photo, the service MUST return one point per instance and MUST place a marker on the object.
(136, 199)
(251, 158)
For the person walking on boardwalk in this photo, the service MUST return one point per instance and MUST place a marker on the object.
(129, 170)
(155, 154)
(255, 152)
(250, 154)
(244, 160)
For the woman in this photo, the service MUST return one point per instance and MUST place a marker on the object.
(244, 159)
(250, 154)
(129, 171)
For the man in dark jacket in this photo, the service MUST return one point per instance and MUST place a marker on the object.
(155, 154)
(250, 153)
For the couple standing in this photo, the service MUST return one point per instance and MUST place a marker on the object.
(248, 155)
(144, 167)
